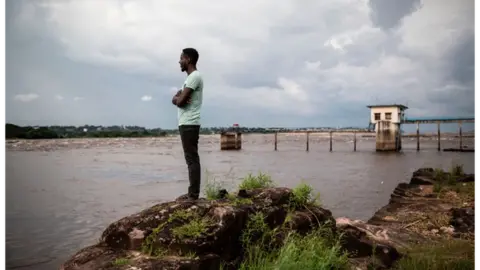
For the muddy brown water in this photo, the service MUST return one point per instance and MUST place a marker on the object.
(61, 194)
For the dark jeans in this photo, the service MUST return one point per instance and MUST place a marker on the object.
(189, 135)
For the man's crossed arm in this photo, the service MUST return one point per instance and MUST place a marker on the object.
(181, 98)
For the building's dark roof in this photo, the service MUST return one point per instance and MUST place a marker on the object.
(388, 105)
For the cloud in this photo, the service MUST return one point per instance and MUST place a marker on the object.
(146, 98)
(26, 97)
(388, 14)
(287, 63)
(59, 97)
(78, 98)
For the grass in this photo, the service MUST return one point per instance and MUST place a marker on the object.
(148, 243)
(121, 261)
(464, 193)
(236, 201)
(450, 254)
(447, 182)
(320, 249)
(312, 251)
(256, 231)
(421, 222)
(193, 229)
(259, 181)
(457, 170)
(182, 215)
(212, 188)
(449, 179)
(316, 250)
(303, 196)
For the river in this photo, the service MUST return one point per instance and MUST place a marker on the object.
(61, 194)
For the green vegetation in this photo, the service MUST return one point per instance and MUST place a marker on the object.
(319, 249)
(446, 182)
(256, 231)
(443, 178)
(267, 248)
(457, 170)
(148, 244)
(193, 229)
(312, 251)
(303, 196)
(195, 226)
(182, 215)
(212, 188)
(316, 250)
(448, 254)
(253, 182)
(52, 132)
(55, 132)
(236, 201)
(121, 261)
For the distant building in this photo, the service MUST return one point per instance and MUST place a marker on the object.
(394, 113)
(387, 120)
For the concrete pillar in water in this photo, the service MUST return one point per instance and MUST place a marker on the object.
(230, 141)
(388, 137)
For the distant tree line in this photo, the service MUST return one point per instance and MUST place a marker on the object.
(91, 131)
(55, 132)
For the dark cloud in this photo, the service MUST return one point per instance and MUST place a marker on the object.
(359, 64)
(387, 14)
(458, 74)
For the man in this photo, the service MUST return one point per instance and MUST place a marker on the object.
(189, 103)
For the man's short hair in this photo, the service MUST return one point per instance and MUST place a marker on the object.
(192, 54)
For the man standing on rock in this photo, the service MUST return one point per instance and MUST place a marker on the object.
(189, 103)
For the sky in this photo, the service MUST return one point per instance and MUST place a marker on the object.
(265, 63)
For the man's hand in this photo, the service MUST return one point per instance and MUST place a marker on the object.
(184, 98)
(175, 97)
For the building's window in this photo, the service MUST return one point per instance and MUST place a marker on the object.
(388, 116)
(377, 116)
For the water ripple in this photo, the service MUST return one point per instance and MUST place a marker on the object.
(61, 195)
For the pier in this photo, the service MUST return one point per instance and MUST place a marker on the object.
(387, 121)
(439, 121)
(307, 138)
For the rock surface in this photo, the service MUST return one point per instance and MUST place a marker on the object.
(193, 234)
(415, 214)
(203, 234)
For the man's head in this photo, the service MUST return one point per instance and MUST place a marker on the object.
(189, 57)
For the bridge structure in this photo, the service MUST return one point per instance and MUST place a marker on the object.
(439, 121)
(388, 118)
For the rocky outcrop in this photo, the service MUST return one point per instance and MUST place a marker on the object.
(203, 234)
(416, 213)
(194, 234)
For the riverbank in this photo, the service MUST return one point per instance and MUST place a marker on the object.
(249, 140)
(262, 227)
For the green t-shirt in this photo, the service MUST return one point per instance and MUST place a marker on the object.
(190, 113)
